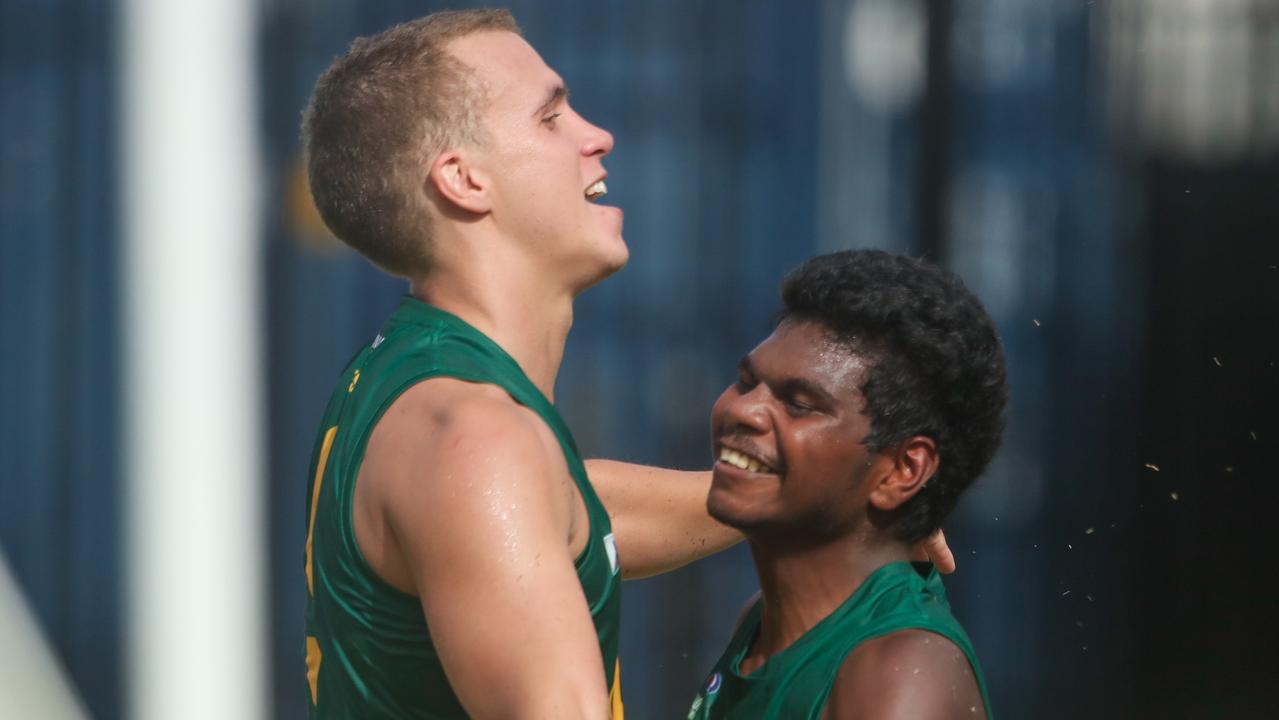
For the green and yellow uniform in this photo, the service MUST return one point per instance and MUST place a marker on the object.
(368, 649)
(794, 684)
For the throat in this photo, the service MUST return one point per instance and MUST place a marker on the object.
(800, 589)
(533, 333)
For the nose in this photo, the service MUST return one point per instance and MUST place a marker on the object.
(598, 141)
(748, 411)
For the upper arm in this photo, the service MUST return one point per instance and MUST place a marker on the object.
(659, 516)
(905, 674)
(476, 502)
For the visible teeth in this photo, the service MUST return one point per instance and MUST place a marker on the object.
(742, 460)
(596, 191)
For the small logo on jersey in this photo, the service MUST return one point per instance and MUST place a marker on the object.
(610, 547)
(378, 340)
(713, 685)
(354, 380)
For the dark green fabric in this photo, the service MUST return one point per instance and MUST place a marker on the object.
(376, 656)
(795, 683)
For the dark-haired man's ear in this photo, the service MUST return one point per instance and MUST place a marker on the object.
(915, 461)
(459, 183)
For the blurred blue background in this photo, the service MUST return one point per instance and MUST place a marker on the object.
(1104, 175)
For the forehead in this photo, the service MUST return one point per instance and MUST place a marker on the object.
(511, 70)
(805, 349)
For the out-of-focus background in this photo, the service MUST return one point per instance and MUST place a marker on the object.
(1104, 175)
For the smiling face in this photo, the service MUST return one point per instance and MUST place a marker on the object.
(788, 439)
(544, 162)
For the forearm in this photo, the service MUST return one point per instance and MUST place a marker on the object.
(659, 516)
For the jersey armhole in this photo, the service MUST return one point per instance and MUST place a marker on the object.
(964, 647)
(362, 444)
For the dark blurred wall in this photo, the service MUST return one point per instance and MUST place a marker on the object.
(1203, 584)
(59, 332)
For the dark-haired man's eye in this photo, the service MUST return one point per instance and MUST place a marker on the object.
(797, 409)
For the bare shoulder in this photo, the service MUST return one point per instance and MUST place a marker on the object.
(906, 674)
(449, 458)
(474, 511)
(441, 404)
(454, 430)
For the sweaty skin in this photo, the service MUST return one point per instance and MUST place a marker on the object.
(906, 674)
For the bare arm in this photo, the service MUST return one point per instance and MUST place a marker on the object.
(659, 516)
(909, 674)
(660, 521)
(480, 508)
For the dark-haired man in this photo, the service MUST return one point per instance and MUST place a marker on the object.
(849, 435)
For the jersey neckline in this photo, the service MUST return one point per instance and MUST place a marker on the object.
(752, 624)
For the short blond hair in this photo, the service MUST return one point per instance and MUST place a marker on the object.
(377, 117)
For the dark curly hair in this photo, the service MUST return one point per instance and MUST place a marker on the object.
(936, 364)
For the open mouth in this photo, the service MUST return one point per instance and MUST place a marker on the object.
(744, 461)
(596, 191)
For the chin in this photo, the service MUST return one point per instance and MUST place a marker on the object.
(604, 266)
(613, 249)
(619, 259)
(721, 506)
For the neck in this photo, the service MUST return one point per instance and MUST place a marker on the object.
(523, 313)
(801, 587)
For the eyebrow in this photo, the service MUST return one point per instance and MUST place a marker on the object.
(557, 93)
(792, 385)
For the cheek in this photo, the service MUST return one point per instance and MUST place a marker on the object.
(827, 452)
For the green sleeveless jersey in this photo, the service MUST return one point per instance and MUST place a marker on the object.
(794, 684)
(368, 649)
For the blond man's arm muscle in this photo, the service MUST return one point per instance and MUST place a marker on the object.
(475, 501)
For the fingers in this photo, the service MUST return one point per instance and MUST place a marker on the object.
(939, 552)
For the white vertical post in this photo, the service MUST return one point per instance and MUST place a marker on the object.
(193, 362)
